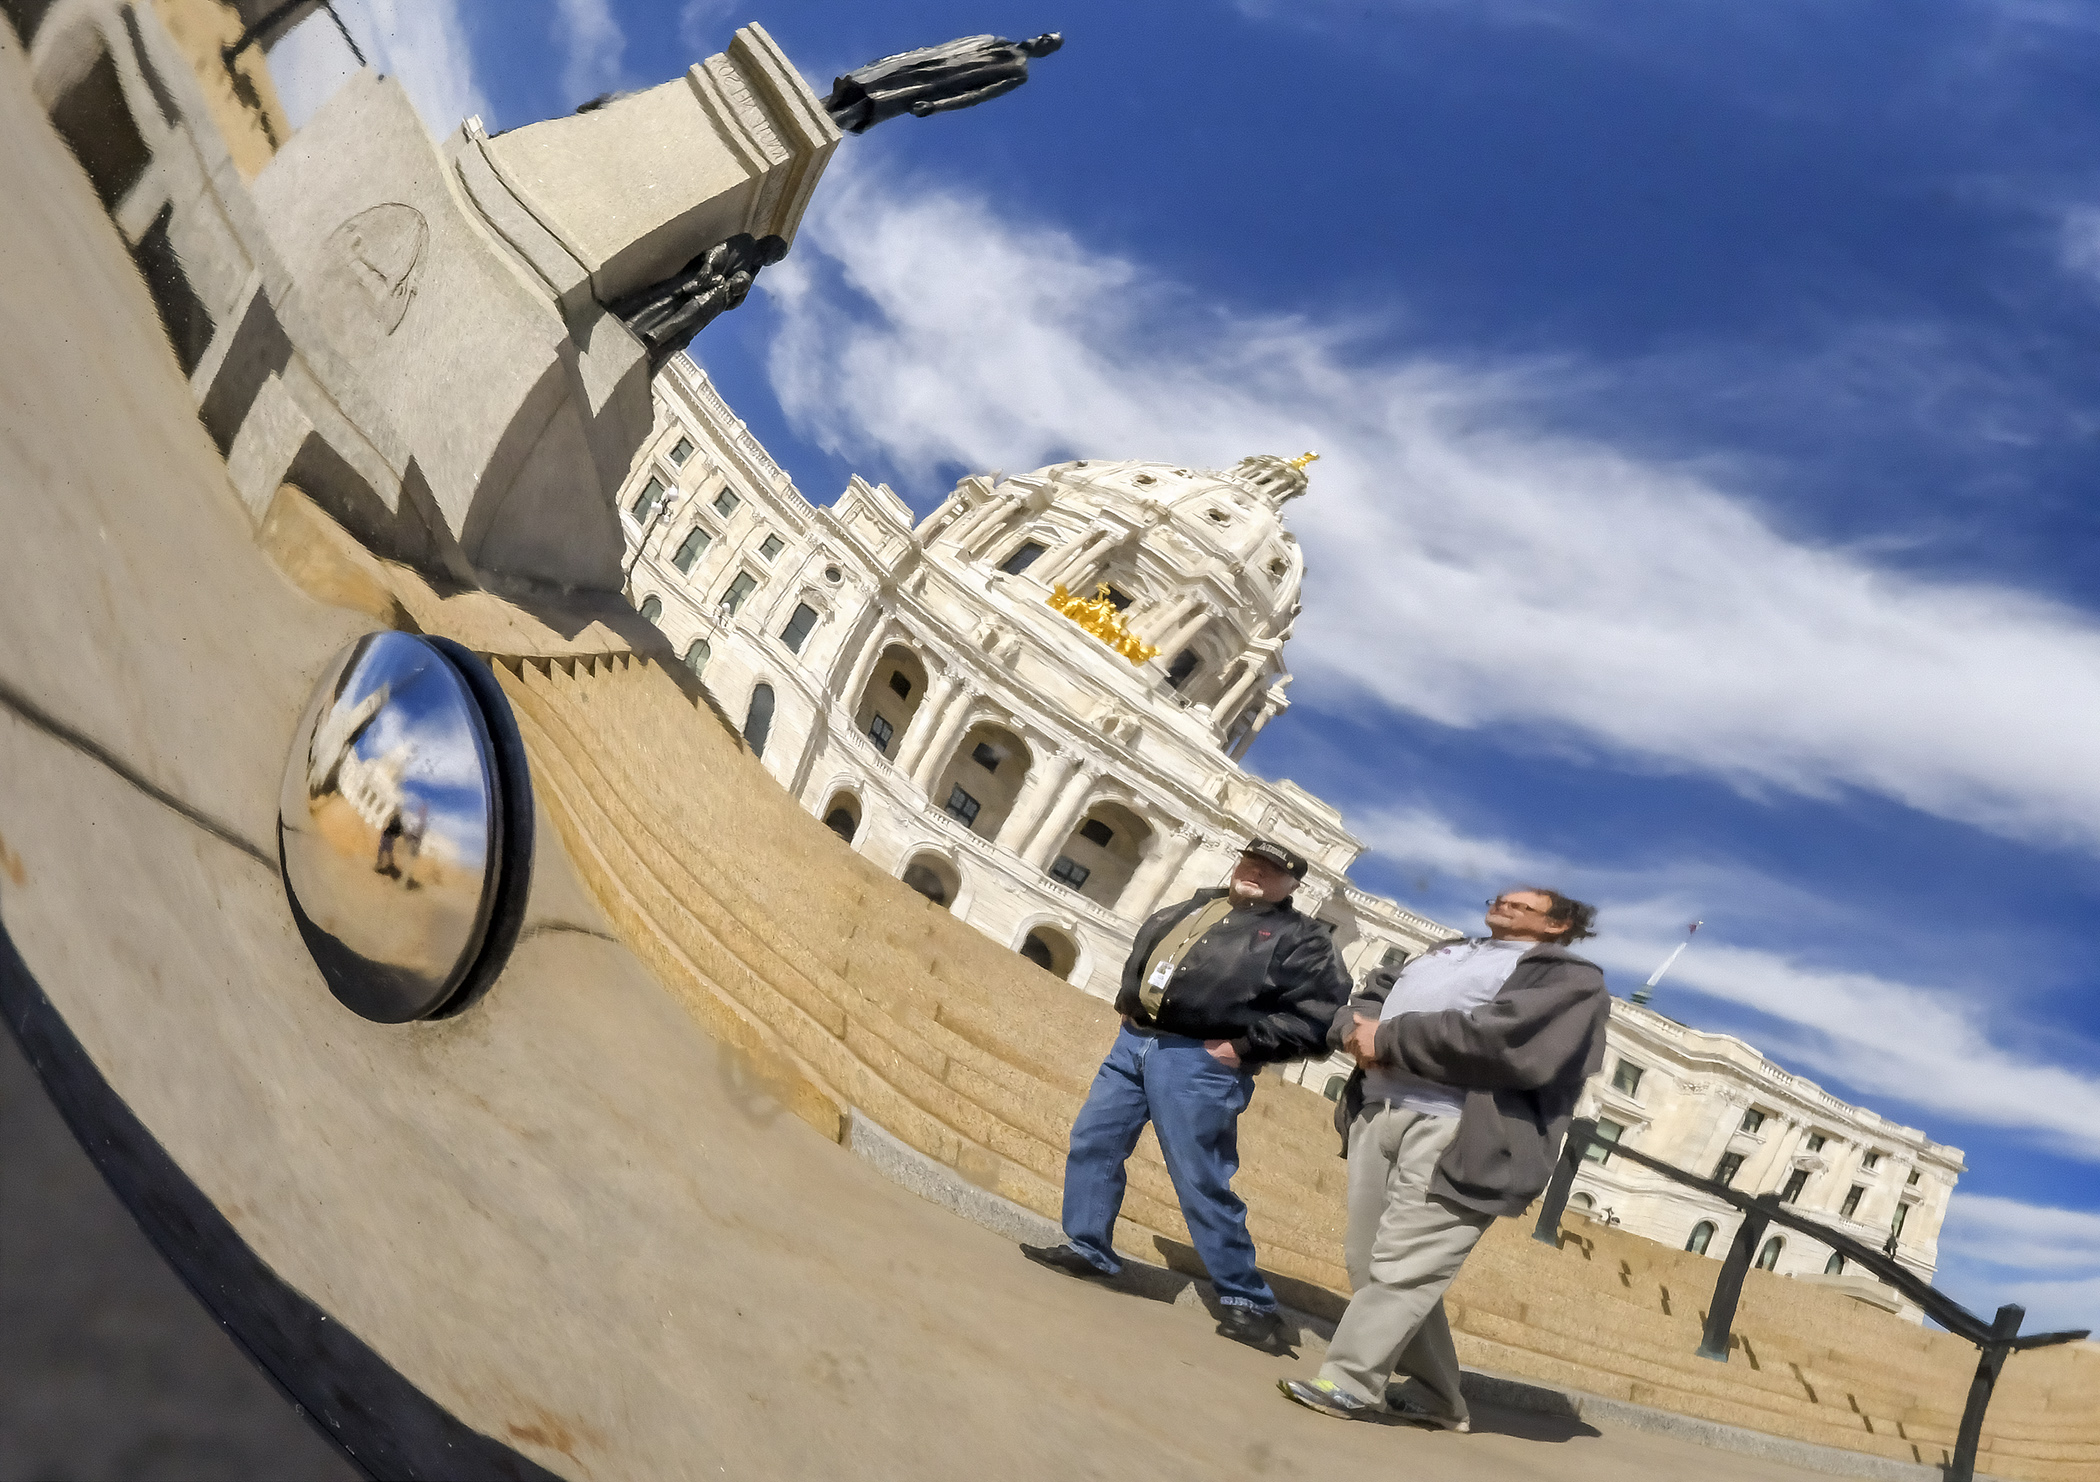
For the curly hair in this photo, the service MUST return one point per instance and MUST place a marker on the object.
(1581, 916)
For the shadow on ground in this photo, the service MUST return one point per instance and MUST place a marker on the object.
(109, 1369)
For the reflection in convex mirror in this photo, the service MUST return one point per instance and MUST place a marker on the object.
(399, 827)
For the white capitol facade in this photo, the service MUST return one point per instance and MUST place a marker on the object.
(910, 682)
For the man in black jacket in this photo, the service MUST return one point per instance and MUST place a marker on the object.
(1469, 1065)
(1215, 987)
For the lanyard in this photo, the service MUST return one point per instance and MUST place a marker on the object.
(1159, 968)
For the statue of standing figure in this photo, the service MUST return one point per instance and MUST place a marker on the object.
(934, 79)
(666, 315)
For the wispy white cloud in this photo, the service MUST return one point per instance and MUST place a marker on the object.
(1465, 565)
(2079, 243)
(422, 42)
(704, 26)
(1998, 1250)
(591, 42)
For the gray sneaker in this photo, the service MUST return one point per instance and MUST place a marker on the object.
(1407, 1409)
(1327, 1397)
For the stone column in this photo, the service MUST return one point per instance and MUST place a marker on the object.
(1228, 708)
(1162, 616)
(856, 661)
(1058, 821)
(929, 764)
(1039, 793)
(1141, 896)
(1194, 623)
(925, 720)
(1193, 875)
(1269, 710)
(1050, 569)
(965, 531)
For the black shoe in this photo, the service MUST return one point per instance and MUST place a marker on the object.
(1064, 1258)
(1249, 1325)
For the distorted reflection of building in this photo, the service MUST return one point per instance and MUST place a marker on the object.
(956, 699)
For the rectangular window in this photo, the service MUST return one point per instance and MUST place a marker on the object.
(880, 731)
(1870, 1162)
(1730, 1165)
(1118, 599)
(646, 500)
(1094, 831)
(1753, 1119)
(961, 805)
(1851, 1204)
(690, 548)
(770, 547)
(683, 451)
(987, 756)
(1394, 957)
(1896, 1225)
(1022, 559)
(899, 685)
(1816, 1141)
(744, 585)
(1064, 872)
(798, 627)
(726, 503)
(1795, 1183)
(1608, 1131)
(1912, 1180)
(1627, 1078)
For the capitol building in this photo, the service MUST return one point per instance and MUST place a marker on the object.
(1030, 707)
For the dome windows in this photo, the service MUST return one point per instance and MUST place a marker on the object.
(1217, 517)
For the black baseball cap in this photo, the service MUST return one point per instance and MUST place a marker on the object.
(1277, 855)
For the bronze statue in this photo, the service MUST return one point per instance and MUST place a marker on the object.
(665, 316)
(934, 79)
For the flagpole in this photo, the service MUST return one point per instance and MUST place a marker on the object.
(1646, 991)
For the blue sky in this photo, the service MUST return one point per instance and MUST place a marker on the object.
(1709, 406)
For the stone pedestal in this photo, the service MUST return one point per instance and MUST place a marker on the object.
(625, 195)
(476, 406)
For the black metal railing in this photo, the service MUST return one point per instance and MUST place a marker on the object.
(1998, 1338)
(281, 18)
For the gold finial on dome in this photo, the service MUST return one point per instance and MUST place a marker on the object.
(1302, 459)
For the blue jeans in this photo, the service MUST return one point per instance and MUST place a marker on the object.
(1194, 1104)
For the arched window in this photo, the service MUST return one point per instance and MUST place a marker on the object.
(1702, 1237)
(930, 876)
(1768, 1258)
(758, 723)
(1336, 1084)
(1835, 1266)
(1183, 666)
(697, 656)
(1582, 1201)
(1036, 950)
(652, 608)
(842, 816)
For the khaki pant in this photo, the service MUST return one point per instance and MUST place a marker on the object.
(1404, 1248)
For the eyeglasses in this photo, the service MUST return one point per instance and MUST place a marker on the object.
(1507, 903)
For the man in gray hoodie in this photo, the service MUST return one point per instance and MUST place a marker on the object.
(1469, 1064)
